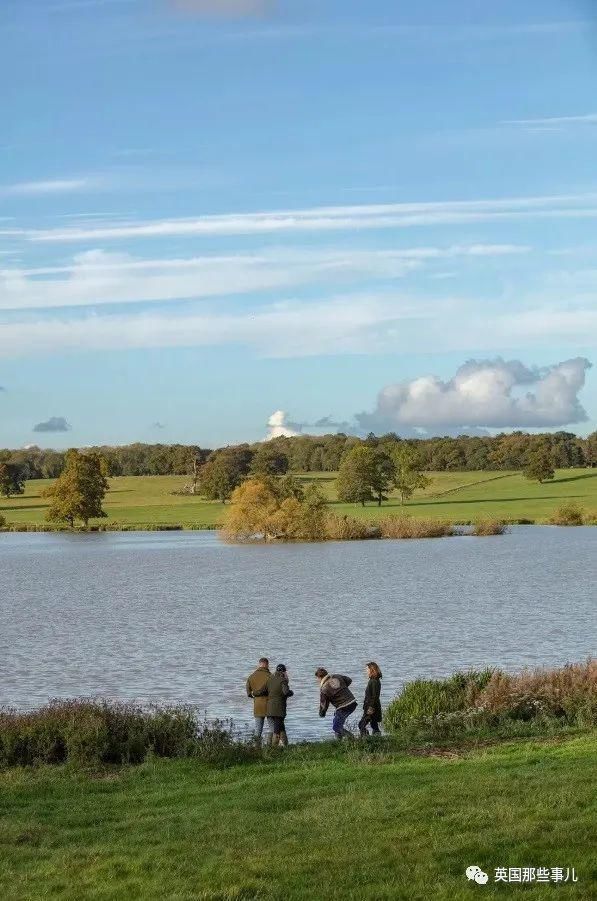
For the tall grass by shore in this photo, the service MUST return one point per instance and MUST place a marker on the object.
(467, 706)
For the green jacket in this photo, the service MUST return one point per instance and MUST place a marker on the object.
(277, 691)
(255, 684)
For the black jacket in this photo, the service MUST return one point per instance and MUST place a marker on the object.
(372, 699)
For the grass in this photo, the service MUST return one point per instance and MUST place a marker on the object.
(455, 497)
(314, 823)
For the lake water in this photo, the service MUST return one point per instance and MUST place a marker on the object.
(183, 617)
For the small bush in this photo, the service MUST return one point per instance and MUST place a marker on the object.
(492, 703)
(489, 525)
(2, 522)
(414, 527)
(568, 515)
(90, 732)
(432, 697)
(347, 528)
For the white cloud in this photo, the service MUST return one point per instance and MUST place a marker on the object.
(554, 121)
(97, 277)
(332, 218)
(50, 186)
(486, 394)
(278, 426)
(352, 324)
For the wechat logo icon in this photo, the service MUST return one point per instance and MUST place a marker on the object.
(476, 874)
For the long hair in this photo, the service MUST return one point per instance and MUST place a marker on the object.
(374, 670)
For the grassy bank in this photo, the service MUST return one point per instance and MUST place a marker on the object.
(317, 823)
(148, 501)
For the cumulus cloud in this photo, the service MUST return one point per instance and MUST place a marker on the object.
(483, 394)
(53, 424)
(224, 8)
(279, 427)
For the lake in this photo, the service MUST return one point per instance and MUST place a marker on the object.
(182, 617)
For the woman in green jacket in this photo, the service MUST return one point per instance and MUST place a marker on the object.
(372, 704)
(278, 691)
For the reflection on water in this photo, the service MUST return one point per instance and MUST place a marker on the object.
(183, 617)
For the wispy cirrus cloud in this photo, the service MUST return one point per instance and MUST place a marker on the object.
(224, 8)
(48, 186)
(97, 277)
(365, 323)
(553, 122)
(331, 218)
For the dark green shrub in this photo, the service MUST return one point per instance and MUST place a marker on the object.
(91, 732)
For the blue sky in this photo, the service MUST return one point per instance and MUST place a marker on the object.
(211, 211)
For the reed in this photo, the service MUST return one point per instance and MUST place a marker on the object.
(489, 525)
(347, 528)
(568, 515)
(414, 527)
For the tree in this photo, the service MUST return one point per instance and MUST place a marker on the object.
(539, 464)
(407, 472)
(260, 510)
(382, 475)
(366, 474)
(224, 471)
(11, 479)
(355, 476)
(269, 461)
(79, 490)
(591, 449)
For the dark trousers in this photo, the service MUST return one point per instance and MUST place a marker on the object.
(367, 720)
(340, 717)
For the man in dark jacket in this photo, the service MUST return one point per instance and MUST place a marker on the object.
(277, 691)
(255, 683)
(334, 690)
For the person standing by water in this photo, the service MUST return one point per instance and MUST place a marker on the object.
(372, 714)
(334, 690)
(255, 683)
(278, 691)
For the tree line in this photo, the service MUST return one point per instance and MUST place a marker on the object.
(391, 461)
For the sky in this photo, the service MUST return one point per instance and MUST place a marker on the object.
(362, 216)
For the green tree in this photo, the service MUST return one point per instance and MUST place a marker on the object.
(224, 471)
(79, 490)
(407, 471)
(539, 464)
(383, 474)
(591, 449)
(356, 475)
(11, 479)
(269, 460)
(366, 474)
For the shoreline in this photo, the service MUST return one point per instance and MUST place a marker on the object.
(210, 527)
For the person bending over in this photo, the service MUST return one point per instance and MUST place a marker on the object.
(334, 690)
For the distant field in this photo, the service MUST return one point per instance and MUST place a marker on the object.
(456, 496)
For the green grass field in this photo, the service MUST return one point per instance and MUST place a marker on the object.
(320, 823)
(456, 496)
